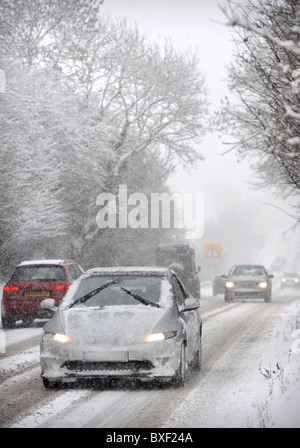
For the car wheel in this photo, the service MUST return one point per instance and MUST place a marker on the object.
(227, 298)
(27, 321)
(198, 357)
(8, 322)
(51, 384)
(180, 377)
(268, 298)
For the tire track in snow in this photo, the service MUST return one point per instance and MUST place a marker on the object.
(16, 364)
(27, 404)
(84, 409)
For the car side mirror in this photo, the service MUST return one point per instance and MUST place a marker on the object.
(191, 304)
(224, 276)
(49, 304)
(271, 276)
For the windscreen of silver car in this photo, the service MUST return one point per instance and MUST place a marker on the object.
(91, 294)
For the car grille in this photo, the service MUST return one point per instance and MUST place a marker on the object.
(247, 285)
(108, 365)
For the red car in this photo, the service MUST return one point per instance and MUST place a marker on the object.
(32, 282)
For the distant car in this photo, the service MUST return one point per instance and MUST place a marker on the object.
(290, 280)
(32, 282)
(218, 284)
(122, 323)
(248, 281)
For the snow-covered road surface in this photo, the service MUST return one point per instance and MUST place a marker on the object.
(250, 377)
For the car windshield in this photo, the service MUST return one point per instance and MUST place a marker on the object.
(290, 274)
(248, 270)
(39, 273)
(118, 290)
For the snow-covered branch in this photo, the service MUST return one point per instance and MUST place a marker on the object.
(289, 46)
(266, 80)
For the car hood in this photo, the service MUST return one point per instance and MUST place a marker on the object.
(246, 278)
(115, 324)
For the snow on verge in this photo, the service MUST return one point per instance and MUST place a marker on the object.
(284, 376)
(263, 388)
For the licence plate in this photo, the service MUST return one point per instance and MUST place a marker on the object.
(121, 356)
(37, 293)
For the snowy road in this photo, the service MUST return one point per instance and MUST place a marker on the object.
(240, 342)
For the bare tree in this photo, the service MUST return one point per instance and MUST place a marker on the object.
(89, 103)
(150, 98)
(27, 27)
(265, 122)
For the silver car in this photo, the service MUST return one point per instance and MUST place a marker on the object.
(248, 281)
(122, 323)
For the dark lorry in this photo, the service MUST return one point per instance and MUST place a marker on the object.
(180, 258)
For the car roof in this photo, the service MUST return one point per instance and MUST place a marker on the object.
(135, 270)
(42, 262)
(248, 265)
(180, 247)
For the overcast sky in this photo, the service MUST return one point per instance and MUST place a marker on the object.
(188, 24)
(200, 25)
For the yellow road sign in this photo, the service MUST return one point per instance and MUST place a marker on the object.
(212, 252)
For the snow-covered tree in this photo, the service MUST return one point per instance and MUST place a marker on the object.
(150, 98)
(265, 122)
(27, 28)
(89, 104)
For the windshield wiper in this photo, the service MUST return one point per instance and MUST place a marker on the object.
(87, 296)
(140, 299)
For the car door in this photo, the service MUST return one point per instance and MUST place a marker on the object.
(189, 319)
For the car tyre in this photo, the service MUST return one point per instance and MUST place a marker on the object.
(27, 321)
(227, 298)
(268, 298)
(51, 384)
(8, 322)
(198, 358)
(180, 377)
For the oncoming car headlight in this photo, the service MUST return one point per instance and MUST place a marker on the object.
(296, 280)
(263, 285)
(229, 284)
(156, 337)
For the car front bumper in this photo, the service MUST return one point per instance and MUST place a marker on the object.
(247, 293)
(290, 284)
(157, 361)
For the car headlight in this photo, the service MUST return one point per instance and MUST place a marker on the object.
(296, 280)
(263, 285)
(229, 284)
(283, 280)
(62, 338)
(156, 337)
